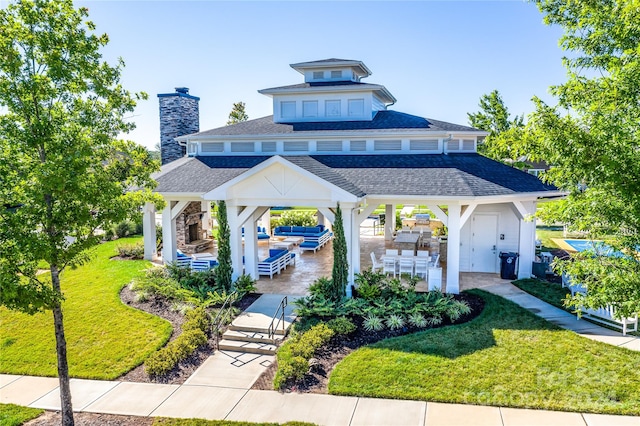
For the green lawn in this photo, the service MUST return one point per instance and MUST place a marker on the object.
(552, 293)
(105, 338)
(505, 357)
(15, 415)
(546, 233)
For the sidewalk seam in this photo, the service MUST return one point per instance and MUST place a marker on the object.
(236, 404)
(163, 401)
(355, 407)
(98, 397)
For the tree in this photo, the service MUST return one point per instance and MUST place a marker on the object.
(504, 132)
(224, 268)
(340, 271)
(63, 173)
(237, 114)
(592, 137)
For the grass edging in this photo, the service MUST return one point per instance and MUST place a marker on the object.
(15, 415)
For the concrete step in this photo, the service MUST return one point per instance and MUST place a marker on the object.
(250, 329)
(251, 336)
(250, 347)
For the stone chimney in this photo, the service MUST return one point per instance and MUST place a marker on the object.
(179, 115)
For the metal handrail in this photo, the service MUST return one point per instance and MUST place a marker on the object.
(273, 327)
(223, 314)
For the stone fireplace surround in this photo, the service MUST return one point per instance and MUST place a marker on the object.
(191, 215)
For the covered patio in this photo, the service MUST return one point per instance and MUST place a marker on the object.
(487, 207)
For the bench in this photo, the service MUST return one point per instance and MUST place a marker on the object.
(277, 261)
(315, 243)
(197, 246)
(604, 315)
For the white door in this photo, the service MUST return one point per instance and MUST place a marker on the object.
(484, 240)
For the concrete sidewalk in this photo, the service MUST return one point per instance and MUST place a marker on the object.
(563, 318)
(217, 402)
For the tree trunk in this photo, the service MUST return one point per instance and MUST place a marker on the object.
(61, 351)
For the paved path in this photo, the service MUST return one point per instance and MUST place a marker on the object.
(219, 389)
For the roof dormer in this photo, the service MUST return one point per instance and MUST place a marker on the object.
(332, 91)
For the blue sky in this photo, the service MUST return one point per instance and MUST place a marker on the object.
(436, 58)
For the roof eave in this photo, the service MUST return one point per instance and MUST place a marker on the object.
(325, 133)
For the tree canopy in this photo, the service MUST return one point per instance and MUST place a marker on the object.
(592, 138)
(63, 173)
(503, 141)
(237, 114)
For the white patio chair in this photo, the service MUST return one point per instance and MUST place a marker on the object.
(436, 261)
(183, 262)
(391, 252)
(422, 267)
(423, 253)
(389, 266)
(406, 265)
(374, 263)
(407, 253)
(200, 265)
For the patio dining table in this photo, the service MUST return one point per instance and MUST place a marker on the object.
(407, 241)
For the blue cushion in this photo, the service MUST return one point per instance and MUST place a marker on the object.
(311, 230)
(277, 252)
(309, 244)
(297, 229)
(285, 229)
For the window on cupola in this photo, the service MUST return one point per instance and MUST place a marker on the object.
(318, 75)
(336, 74)
(310, 108)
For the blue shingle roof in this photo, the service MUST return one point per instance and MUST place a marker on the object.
(384, 121)
(428, 175)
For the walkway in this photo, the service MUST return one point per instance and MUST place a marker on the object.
(220, 389)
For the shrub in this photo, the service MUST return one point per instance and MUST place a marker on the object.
(372, 323)
(244, 284)
(125, 228)
(342, 326)
(297, 218)
(193, 336)
(303, 324)
(158, 281)
(168, 357)
(293, 357)
(131, 251)
(369, 284)
(395, 322)
(321, 287)
(417, 319)
(197, 319)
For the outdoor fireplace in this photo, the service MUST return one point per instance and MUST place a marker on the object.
(189, 224)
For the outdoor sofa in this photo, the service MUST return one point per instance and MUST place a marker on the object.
(278, 260)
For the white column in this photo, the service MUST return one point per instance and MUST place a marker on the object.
(251, 248)
(320, 218)
(149, 230)
(347, 226)
(390, 221)
(453, 250)
(527, 242)
(169, 245)
(235, 240)
(206, 217)
(266, 221)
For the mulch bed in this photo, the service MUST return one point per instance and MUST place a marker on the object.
(51, 418)
(160, 307)
(339, 347)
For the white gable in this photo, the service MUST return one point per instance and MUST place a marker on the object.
(278, 182)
